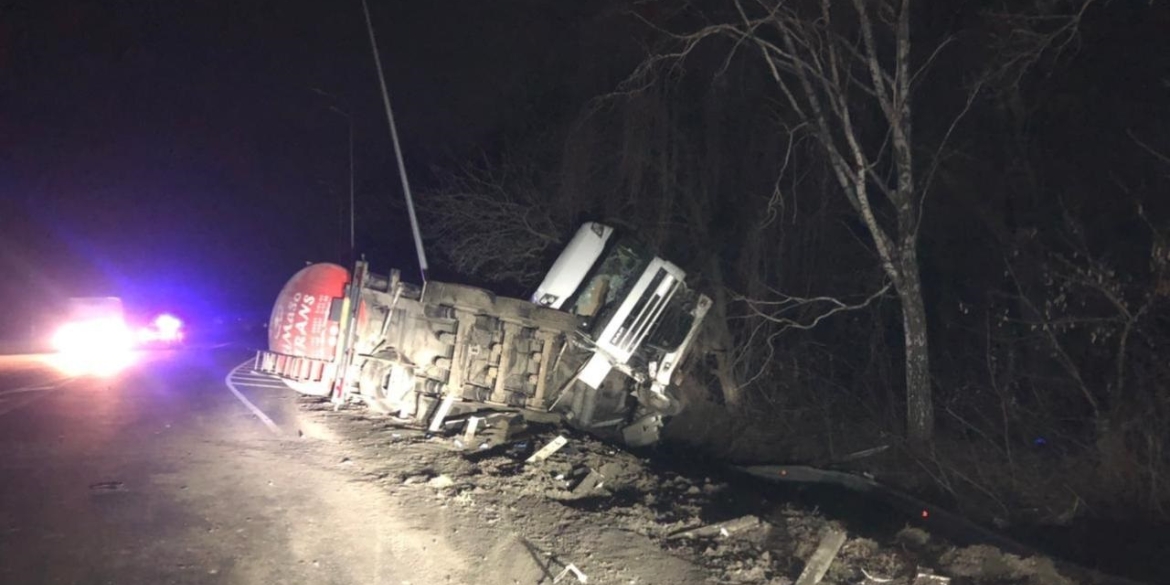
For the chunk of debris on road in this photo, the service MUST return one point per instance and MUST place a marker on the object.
(441, 481)
(592, 482)
(546, 451)
(441, 414)
(724, 529)
(571, 568)
(818, 564)
(469, 433)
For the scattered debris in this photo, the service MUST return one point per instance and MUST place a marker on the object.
(441, 413)
(517, 448)
(819, 563)
(605, 506)
(571, 568)
(592, 482)
(469, 434)
(724, 529)
(548, 449)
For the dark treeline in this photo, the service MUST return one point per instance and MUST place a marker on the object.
(987, 180)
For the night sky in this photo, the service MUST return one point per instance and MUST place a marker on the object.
(175, 153)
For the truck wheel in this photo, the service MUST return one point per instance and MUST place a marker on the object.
(387, 387)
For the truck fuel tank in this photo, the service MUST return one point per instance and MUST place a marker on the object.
(302, 322)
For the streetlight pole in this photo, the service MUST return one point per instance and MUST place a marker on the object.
(418, 243)
(349, 125)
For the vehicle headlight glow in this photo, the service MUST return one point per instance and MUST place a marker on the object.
(98, 346)
(165, 328)
(169, 327)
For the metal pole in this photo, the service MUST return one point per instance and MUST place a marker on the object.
(418, 244)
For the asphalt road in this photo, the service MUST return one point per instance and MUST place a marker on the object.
(170, 472)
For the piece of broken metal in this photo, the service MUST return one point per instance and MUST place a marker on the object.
(818, 564)
(441, 413)
(589, 484)
(547, 450)
(723, 528)
(571, 568)
(469, 434)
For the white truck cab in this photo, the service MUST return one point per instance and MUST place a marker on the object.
(571, 267)
(634, 305)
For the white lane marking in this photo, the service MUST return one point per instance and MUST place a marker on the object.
(248, 403)
(24, 389)
(39, 391)
(257, 380)
(267, 386)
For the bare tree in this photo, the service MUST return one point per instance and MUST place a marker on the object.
(1026, 35)
(846, 75)
(497, 220)
(685, 179)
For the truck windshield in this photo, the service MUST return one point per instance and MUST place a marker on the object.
(611, 280)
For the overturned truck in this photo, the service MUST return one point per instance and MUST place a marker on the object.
(598, 344)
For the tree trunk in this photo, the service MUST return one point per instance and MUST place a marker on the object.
(733, 398)
(721, 342)
(919, 408)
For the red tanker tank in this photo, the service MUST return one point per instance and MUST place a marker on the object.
(300, 324)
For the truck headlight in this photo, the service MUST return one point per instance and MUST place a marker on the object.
(547, 300)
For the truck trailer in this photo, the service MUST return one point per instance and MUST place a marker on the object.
(597, 345)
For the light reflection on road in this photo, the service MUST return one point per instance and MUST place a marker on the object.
(102, 364)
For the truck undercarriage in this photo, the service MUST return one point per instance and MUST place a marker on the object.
(428, 352)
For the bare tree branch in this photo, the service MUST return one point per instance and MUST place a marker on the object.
(776, 308)
(1148, 148)
(1030, 36)
(495, 220)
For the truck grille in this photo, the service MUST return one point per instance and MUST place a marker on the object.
(645, 313)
